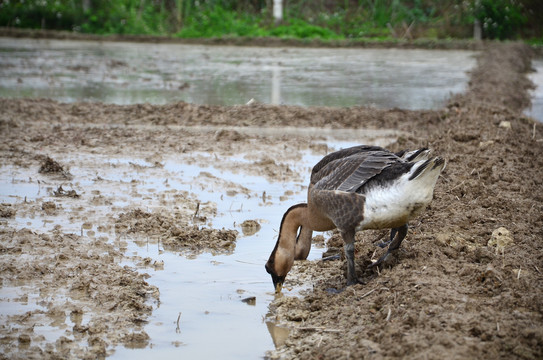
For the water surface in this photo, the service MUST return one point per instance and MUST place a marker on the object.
(128, 73)
(536, 110)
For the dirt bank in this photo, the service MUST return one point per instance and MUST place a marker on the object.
(249, 41)
(450, 294)
(453, 292)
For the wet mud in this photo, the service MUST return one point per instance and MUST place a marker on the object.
(467, 282)
(82, 188)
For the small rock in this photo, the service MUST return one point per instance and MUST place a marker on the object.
(505, 124)
(500, 238)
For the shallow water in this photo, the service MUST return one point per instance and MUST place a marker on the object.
(203, 291)
(127, 73)
(536, 110)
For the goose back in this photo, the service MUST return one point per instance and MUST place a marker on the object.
(350, 169)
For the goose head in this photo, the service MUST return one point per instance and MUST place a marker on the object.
(280, 262)
(277, 280)
(286, 251)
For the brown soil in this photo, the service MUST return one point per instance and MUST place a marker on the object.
(93, 283)
(461, 287)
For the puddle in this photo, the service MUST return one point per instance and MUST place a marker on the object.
(128, 73)
(279, 334)
(212, 304)
(536, 110)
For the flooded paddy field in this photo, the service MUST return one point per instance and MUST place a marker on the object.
(142, 230)
(129, 73)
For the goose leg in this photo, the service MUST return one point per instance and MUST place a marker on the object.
(400, 233)
(383, 244)
(348, 238)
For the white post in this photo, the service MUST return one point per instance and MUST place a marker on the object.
(477, 31)
(278, 10)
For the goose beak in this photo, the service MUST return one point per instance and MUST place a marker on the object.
(278, 283)
(276, 279)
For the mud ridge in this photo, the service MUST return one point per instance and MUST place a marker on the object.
(467, 44)
(454, 291)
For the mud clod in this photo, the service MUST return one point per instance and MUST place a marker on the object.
(136, 340)
(176, 233)
(67, 193)
(251, 300)
(49, 207)
(7, 211)
(50, 166)
(250, 227)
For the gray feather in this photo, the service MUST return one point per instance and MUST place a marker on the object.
(351, 168)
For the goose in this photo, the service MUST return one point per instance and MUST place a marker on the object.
(353, 189)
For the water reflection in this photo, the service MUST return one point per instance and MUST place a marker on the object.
(279, 334)
(276, 86)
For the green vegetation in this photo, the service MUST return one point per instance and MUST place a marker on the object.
(499, 19)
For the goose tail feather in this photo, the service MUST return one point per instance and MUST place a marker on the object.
(427, 169)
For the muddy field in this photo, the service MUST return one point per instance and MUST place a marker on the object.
(466, 284)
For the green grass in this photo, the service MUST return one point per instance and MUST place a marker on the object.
(296, 28)
(535, 42)
(304, 19)
(219, 22)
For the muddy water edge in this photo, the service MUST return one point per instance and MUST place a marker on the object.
(451, 292)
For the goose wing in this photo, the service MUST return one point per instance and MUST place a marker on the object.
(323, 168)
(352, 172)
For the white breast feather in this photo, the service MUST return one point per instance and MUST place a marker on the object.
(397, 203)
